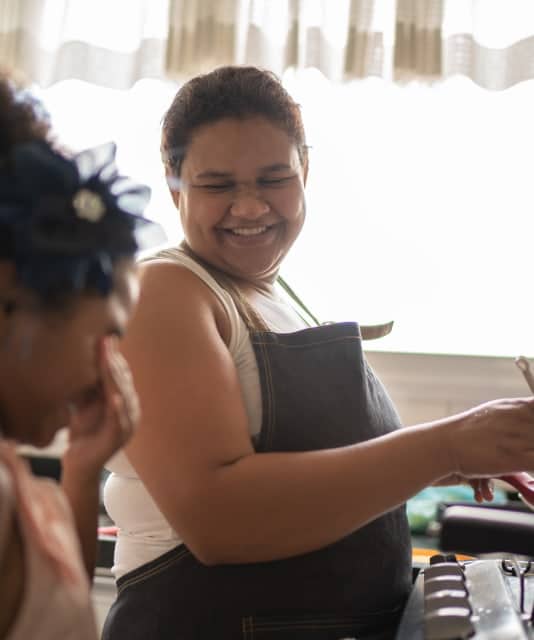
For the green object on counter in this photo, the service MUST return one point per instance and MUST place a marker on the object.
(422, 508)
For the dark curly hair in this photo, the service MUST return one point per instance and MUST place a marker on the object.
(22, 117)
(65, 220)
(228, 92)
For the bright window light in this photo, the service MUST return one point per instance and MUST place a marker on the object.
(420, 201)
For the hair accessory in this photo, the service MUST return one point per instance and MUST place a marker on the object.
(64, 221)
(88, 205)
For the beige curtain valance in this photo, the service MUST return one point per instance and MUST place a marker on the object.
(115, 43)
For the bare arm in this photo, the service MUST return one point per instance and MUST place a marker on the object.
(193, 449)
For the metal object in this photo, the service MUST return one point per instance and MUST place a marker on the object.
(524, 484)
(374, 331)
(493, 598)
(524, 366)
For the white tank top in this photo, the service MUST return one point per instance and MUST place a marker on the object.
(144, 534)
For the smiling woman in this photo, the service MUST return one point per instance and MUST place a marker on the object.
(263, 492)
(241, 201)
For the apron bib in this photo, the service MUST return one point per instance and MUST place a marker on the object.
(318, 392)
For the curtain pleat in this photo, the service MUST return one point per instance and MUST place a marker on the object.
(201, 35)
(335, 37)
(417, 54)
(364, 51)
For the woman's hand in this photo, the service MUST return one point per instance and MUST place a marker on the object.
(99, 426)
(492, 439)
(104, 423)
(482, 487)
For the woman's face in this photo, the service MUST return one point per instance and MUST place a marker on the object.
(241, 197)
(49, 359)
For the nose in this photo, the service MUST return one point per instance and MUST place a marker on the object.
(249, 204)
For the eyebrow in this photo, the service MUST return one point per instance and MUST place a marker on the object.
(280, 166)
(212, 174)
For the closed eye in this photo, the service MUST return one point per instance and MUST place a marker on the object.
(226, 186)
(274, 182)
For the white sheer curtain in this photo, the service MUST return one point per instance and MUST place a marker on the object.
(115, 43)
(343, 39)
(111, 43)
(489, 41)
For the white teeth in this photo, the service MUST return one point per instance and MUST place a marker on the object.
(248, 231)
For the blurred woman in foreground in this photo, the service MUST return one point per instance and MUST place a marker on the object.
(67, 288)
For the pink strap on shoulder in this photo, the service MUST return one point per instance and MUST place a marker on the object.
(6, 505)
(45, 516)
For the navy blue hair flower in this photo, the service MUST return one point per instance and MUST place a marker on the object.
(65, 221)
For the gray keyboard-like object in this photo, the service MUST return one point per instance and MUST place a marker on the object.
(476, 600)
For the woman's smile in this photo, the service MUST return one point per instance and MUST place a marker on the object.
(249, 236)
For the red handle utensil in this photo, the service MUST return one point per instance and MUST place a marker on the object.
(523, 483)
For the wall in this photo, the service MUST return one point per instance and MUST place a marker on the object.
(425, 387)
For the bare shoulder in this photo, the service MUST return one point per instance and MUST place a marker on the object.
(11, 563)
(166, 282)
(171, 293)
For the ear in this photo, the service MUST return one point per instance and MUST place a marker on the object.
(173, 185)
(175, 195)
(305, 171)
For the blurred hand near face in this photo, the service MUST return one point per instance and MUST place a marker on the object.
(106, 418)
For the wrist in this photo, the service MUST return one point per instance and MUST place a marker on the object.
(74, 470)
(441, 450)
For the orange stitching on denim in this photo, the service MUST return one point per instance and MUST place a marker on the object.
(247, 628)
(311, 344)
(269, 408)
(151, 572)
(272, 399)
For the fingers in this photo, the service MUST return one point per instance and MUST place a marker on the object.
(102, 426)
(487, 489)
(75, 425)
(116, 376)
(483, 489)
(122, 404)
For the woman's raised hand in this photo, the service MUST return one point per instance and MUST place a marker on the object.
(107, 421)
(492, 439)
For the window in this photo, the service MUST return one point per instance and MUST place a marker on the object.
(420, 201)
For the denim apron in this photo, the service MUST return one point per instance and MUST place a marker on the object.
(317, 392)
